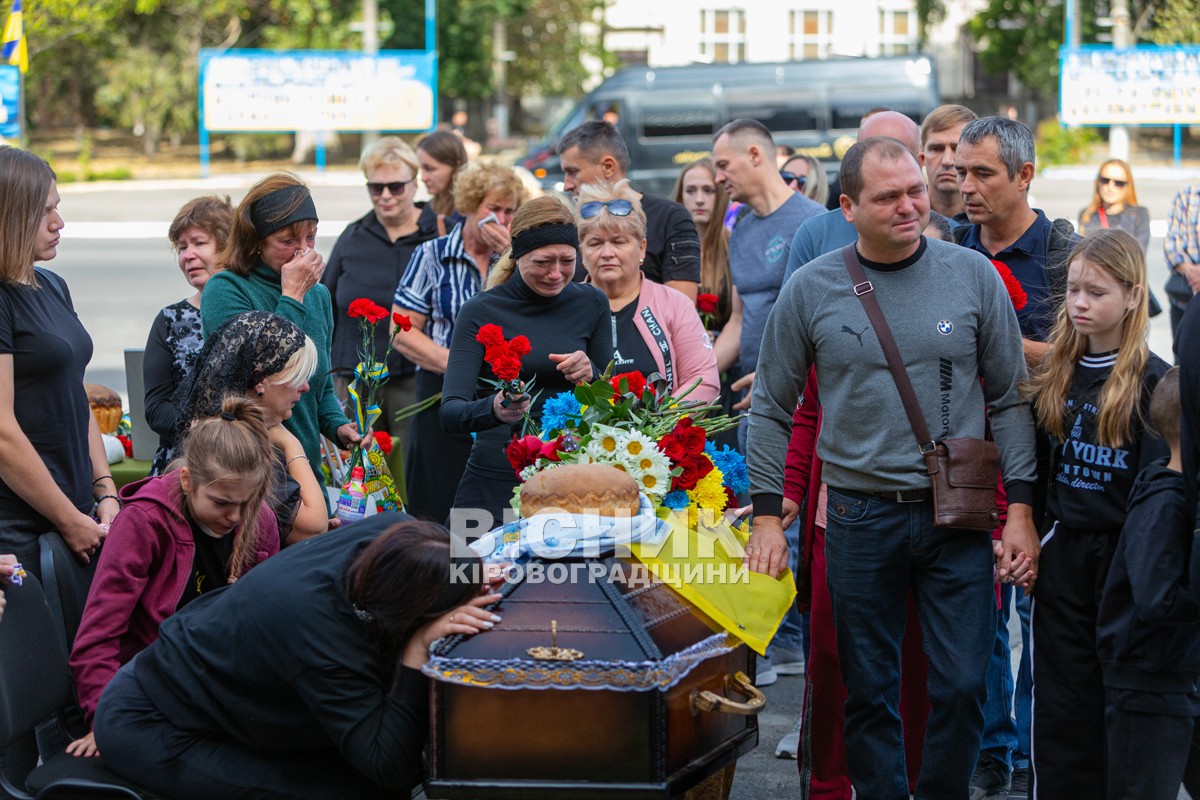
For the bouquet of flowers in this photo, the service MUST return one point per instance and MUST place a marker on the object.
(369, 377)
(635, 424)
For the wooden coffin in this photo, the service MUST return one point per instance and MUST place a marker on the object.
(625, 720)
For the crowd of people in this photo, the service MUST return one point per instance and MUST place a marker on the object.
(931, 289)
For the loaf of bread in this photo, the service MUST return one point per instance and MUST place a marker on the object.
(581, 489)
(106, 405)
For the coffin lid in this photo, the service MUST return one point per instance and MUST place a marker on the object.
(634, 633)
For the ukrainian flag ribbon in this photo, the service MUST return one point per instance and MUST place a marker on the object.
(16, 52)
(365, 415)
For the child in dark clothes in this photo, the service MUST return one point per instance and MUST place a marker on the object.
(1148, 630)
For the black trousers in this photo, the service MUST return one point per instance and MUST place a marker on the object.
(142, 745)
(1068, 754)
(435, 460)
(1150, 755)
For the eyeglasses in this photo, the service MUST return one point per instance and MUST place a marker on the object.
(1106, 181)
(395, 187)
(618, 208)
(789, 177)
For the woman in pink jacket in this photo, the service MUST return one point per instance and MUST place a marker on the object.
(654, 328)
(179, 536)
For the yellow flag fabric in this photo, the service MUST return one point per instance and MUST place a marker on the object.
(15, 50)
(703, 562)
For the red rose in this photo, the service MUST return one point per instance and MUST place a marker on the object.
(519, 346)
(523, 452)
(691, 435)
(673, 448)
(636, 382)
(550, 450)
(707, 303)
(490, 335)
(384, 440)
(367, 309)
(694, 469)
(402, 321)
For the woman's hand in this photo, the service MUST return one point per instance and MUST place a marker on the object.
(84, 747)
(107, 510)
(467, 619)
(348, 436)
(83, 535)
(495, 236)
(301, 274)
(518, 407)
(575, 367)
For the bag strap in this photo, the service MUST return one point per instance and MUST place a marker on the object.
(1103, 218)
(865, 292)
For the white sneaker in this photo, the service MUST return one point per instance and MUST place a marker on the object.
(787, 661)
(766, 674)
(789, 745)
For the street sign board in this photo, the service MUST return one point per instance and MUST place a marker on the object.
(1132, 86)
(10, 102)
(314, 90)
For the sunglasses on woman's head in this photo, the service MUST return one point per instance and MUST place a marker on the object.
(395, 187)
(618, 208)
(1106, 181)
(789, 177)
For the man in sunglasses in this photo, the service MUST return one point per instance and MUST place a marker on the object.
(595, 152)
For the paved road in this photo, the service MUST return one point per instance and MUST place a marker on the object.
(121, 270)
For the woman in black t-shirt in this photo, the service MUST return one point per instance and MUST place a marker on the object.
(53, 469)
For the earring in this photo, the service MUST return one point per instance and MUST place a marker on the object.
(258, 392)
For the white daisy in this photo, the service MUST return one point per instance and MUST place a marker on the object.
(635, 445)
(655, 482)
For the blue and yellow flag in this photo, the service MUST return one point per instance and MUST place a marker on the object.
(15, 51)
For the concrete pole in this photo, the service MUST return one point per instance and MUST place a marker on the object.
(500, 73)
(370, 43)
(1118, 135)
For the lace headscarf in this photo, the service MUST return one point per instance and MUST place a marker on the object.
(239, 354)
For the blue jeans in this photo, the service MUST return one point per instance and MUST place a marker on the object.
(791, 631)
(1007, 717)
(876, 549)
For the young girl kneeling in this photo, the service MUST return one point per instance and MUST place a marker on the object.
(178, 536)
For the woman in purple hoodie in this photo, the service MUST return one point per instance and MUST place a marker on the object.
(179, 536)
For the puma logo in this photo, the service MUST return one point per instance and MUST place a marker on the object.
(856, 334)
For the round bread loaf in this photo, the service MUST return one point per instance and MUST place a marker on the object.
(106, 405)
(581, 489)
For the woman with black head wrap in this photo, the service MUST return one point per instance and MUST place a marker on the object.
(269, 264)
(268, 359)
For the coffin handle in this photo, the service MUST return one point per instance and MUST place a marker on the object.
(738, 682)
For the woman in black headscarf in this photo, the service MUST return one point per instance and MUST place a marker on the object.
(267, 358)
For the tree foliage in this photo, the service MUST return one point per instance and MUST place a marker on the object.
(134, 63)
(1175, 22)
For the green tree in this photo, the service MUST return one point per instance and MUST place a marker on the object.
(1175, 22)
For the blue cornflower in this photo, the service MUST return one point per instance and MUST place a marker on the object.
(732, 465)
(559, 413)
(676, 500)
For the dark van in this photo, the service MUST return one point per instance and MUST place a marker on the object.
(668, 115)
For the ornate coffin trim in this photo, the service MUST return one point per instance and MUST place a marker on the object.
(617, 676)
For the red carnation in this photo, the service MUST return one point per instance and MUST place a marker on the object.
(523, 452)
(519, 346)
(1016, 292)
(707, 303)
(384, 440)
(402, 321)
(730, 499)
(635, 381)
(367, 309)
(490, 335)
(550, 450)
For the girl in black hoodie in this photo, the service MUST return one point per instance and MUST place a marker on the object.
(1090, 397)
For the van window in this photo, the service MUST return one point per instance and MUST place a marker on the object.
(678, 117)
(797, 112)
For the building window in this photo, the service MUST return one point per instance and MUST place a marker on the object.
(897, 32)
(810, 34)
(723, 35)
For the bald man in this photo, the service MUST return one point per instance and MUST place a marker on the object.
(829, 231)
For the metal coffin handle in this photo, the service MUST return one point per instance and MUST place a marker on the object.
(738, 682)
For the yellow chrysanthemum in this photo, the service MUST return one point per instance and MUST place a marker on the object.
(710, 491)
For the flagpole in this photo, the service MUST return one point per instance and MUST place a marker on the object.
(24, 138)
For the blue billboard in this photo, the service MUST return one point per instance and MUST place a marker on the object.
(10, 102)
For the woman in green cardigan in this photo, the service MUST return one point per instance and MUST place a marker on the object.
(269, 264)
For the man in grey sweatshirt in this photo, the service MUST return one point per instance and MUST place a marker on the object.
(956, 330)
